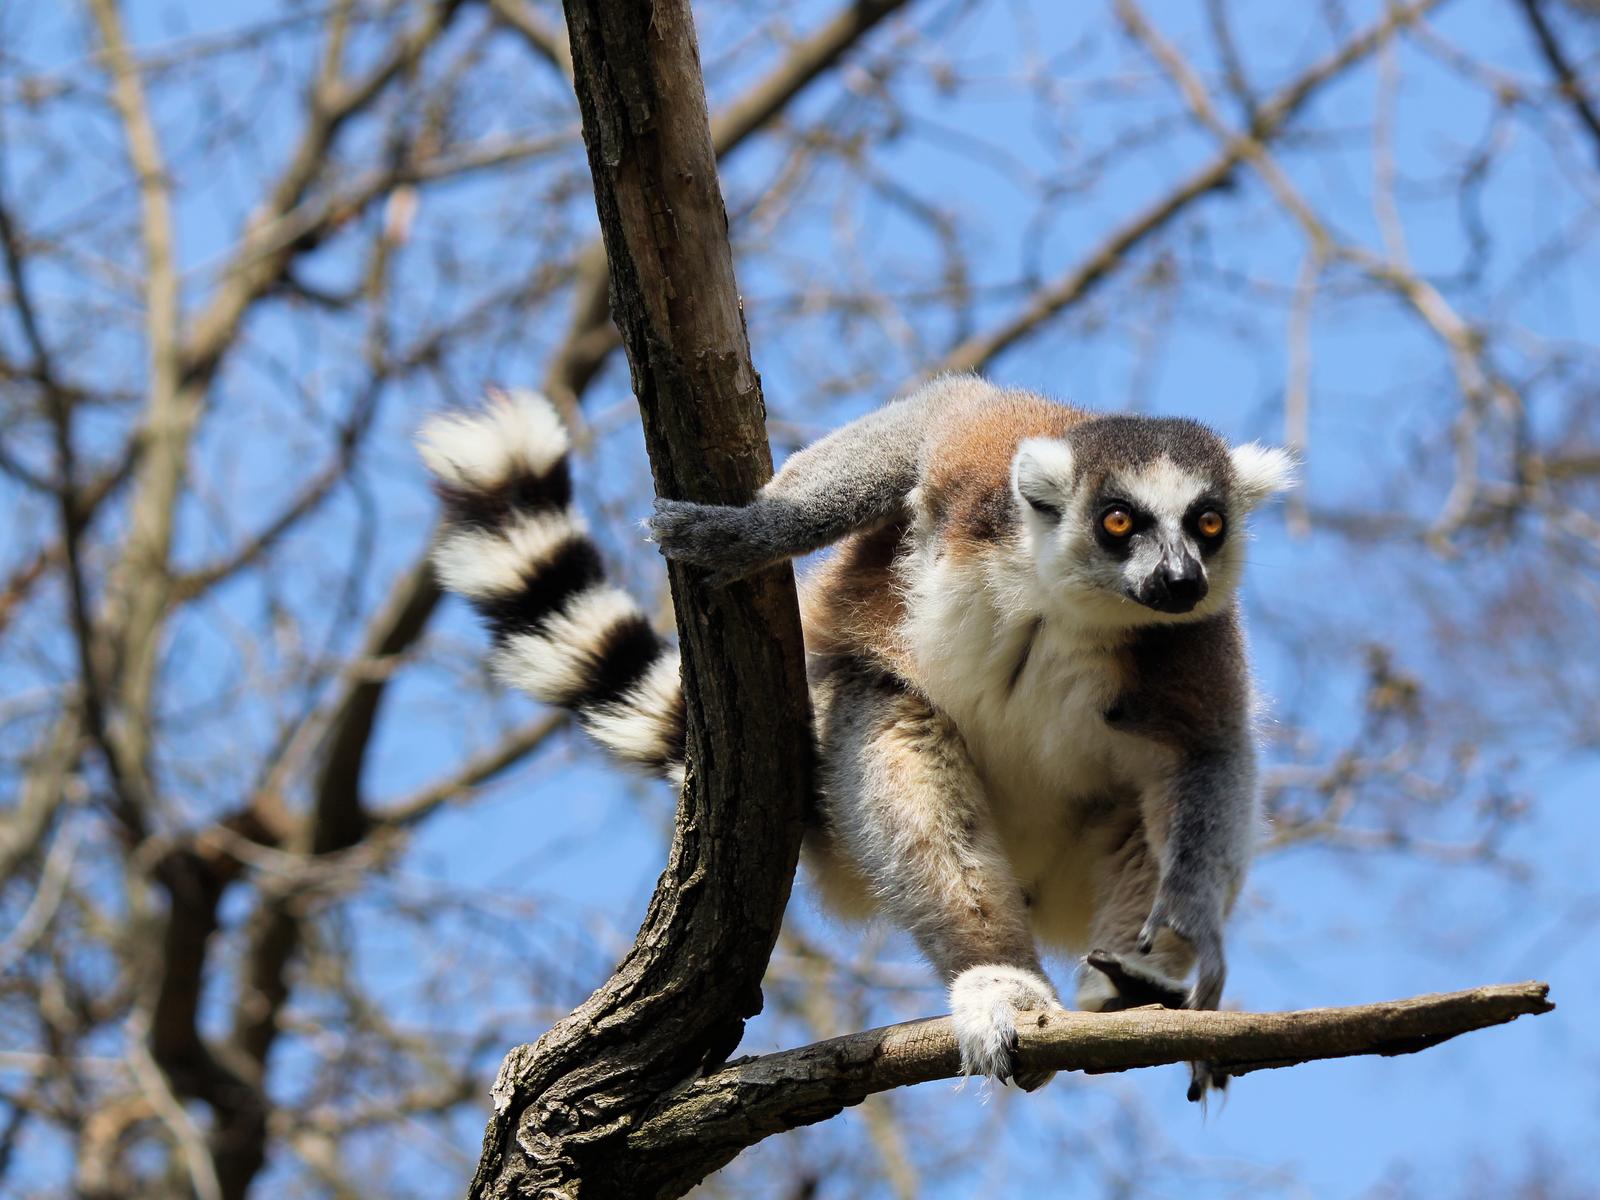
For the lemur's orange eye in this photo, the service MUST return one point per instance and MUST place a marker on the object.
(1210, 523)
(1118, 522)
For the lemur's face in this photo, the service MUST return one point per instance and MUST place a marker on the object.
(1139, 519)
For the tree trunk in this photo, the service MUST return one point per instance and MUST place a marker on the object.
(677, 1003)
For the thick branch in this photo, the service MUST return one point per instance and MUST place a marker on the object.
(159, 472)
(679, 999)
(754, 1098)
(339, 819)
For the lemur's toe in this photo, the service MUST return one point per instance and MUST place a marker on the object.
(730, 541)
(709, 535)
(1204, 1079)
(1032, 1081)
(671, 523)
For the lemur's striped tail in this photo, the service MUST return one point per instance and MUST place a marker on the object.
(514, 546)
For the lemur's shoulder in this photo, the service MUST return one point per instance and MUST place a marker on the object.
(855, 601)
(965, 491)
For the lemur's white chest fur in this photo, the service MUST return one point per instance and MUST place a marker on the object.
(1029, 693)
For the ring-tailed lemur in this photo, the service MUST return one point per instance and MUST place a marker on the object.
(1033, 707)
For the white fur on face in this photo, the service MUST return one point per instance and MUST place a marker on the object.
(1145, 560)
(516, 432)
(1162, 489)
(1165, 492)
(1041, 469)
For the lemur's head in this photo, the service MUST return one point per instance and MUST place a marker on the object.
(1140, 518)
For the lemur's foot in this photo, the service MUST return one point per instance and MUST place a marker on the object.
(1133, 985)
(984, 1003)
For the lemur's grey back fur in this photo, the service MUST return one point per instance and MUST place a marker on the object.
(856, 477)
(515, 548)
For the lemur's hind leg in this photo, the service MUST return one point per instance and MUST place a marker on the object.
(1116, 974)
(904, 802)
(855, 478)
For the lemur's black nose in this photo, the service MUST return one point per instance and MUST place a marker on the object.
(1176, 587)
(1185, 592)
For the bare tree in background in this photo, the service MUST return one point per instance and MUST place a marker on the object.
(239, 265)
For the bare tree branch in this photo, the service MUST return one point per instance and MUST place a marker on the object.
(549, 44)
(139, 584)
(754, 1098)
(1561, 67)
(590, 336)
(1271, 118)
(474, 773)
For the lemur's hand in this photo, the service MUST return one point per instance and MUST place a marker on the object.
(984, 1003)
(1199, 924)
(732, 541)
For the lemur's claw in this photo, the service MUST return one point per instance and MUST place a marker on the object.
(1205, 1078)
(1210, 976)
(1147, 935)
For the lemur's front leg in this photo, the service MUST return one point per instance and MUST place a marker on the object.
(903, 799)
(1201, 823)
(855, 478)
(1116, 975)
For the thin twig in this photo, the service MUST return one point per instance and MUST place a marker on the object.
(1561, 66)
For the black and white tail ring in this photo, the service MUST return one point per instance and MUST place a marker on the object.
(515, 548)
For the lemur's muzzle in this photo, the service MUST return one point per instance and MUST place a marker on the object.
(1176, 586)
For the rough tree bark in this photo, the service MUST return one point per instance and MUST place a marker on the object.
(629, 1095)
(565, 1105)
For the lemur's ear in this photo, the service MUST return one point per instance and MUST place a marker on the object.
(1041, 475)
(1260, 471)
